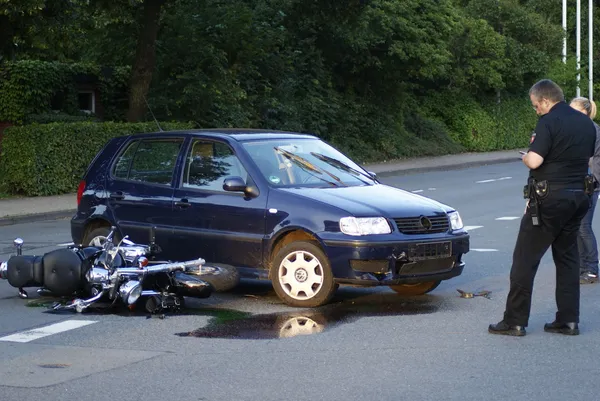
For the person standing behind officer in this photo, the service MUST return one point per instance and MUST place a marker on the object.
(558, 157)
(586, 240)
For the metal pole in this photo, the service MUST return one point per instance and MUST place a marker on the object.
(564, 25)
(591, 46)
(578, 48)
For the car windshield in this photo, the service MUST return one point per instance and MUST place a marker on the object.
(305, 163)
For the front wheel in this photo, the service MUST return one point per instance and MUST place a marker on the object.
(221, 276)
(301, 275)
(415, 289)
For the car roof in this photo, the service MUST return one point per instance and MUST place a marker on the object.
(239, 134)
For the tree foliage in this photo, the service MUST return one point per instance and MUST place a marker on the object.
(377, 77)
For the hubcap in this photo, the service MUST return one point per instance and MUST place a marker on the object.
(98, 241)
(301, 275)
(299, 326)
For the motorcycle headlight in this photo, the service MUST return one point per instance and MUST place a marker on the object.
(364, 225)
(130, 291)
(455, 221)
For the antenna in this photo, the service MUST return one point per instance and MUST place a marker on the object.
(160, 129)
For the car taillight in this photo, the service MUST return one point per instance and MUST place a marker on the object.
(80, 190)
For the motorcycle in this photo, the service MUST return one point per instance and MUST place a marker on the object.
(119, 273)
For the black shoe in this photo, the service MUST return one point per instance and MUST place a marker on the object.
(503, 328)
(588, 278)
(570, 329)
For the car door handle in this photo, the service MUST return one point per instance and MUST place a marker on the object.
(183, 203)
(117, 195)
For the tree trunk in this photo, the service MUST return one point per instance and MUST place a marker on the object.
(145, 60)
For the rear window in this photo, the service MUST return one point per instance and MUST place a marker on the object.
(148, 160)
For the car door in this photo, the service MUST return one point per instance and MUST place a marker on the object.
(140, 188)
(219, 226)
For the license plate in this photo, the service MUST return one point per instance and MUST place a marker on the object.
(430, 250)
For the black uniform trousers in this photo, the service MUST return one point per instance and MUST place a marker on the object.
(560, 214)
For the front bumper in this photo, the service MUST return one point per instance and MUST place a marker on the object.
(369, 263)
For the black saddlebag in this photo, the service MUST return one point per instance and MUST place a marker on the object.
(63, 272)
(25, 271)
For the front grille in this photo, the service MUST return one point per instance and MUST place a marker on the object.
(423, 224)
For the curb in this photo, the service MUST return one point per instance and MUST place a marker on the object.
(32, 218)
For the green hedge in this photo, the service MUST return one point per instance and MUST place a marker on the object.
(482, 126)
(50, 159)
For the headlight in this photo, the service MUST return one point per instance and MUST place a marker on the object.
(455, 221)
(364, 225)
(130, 291)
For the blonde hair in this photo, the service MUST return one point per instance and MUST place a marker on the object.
(586, 104)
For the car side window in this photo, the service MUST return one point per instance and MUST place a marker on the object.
(150, 160)
(208, 164)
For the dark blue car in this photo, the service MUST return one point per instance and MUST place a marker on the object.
(276, 205)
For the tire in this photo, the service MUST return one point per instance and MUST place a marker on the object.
(415, 289)
(99, 234)
(221, 276)
(306, 282)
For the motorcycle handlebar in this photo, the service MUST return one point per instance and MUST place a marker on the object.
(162, 268)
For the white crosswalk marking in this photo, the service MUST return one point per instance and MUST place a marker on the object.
(471, 228)
(507, 218)
(30, 335)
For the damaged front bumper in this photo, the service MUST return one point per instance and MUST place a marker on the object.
(370, 263)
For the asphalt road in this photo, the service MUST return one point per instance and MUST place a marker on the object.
(368, 344)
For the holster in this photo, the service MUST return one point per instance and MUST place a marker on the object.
(589, 184)
(534, 191)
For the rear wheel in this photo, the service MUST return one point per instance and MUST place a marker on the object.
(97, 236)
(415, 289)
(301, 275)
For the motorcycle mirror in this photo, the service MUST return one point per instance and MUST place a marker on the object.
(18, 243)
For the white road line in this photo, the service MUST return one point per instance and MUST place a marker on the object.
(493, 179)
(431, 189)
(416, 191)
(30, 335)
(484, 250)
(507, 218)
(471, 228)
(66, 244)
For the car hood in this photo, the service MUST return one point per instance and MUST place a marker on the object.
(374, 200)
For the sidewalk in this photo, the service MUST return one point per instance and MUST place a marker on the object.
(21, 210)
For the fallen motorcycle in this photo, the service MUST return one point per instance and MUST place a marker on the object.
(117, 274)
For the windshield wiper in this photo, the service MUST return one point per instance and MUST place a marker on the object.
(340, 164)
(308, 166)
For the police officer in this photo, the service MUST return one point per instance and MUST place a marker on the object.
(558, 198)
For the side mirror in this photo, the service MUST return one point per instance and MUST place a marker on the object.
(237, 184)
(234, 184)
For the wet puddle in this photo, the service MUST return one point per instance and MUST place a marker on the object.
(305, 322)
(236, 324)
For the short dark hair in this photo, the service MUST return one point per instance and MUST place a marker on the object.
(547, 89)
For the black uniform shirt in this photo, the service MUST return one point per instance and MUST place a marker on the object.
(565, 138)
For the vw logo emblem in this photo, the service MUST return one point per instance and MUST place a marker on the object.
(425, 222)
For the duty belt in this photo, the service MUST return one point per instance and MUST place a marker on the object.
(535, 191)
